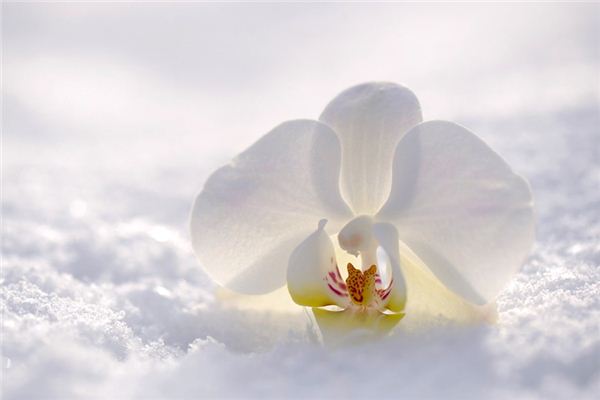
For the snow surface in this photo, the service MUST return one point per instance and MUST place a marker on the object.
(114, 115)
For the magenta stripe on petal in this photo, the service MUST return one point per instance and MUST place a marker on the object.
(332, 275)
(334, 290)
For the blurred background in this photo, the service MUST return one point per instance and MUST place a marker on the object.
(114, 114)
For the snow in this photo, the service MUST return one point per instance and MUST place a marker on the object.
(115, 115)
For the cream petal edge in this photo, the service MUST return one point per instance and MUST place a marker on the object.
(313, 277)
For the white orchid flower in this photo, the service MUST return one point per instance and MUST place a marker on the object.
(369, 179)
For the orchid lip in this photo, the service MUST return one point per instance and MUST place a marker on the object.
(362, 288)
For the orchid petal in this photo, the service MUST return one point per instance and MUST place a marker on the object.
(370, 119)
(253, 212)
(354, 326)
(313, 277)
(460, 208)
(431, 302)
(394, 296)
(276, 301)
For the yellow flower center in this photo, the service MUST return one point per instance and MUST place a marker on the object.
(361, 285)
